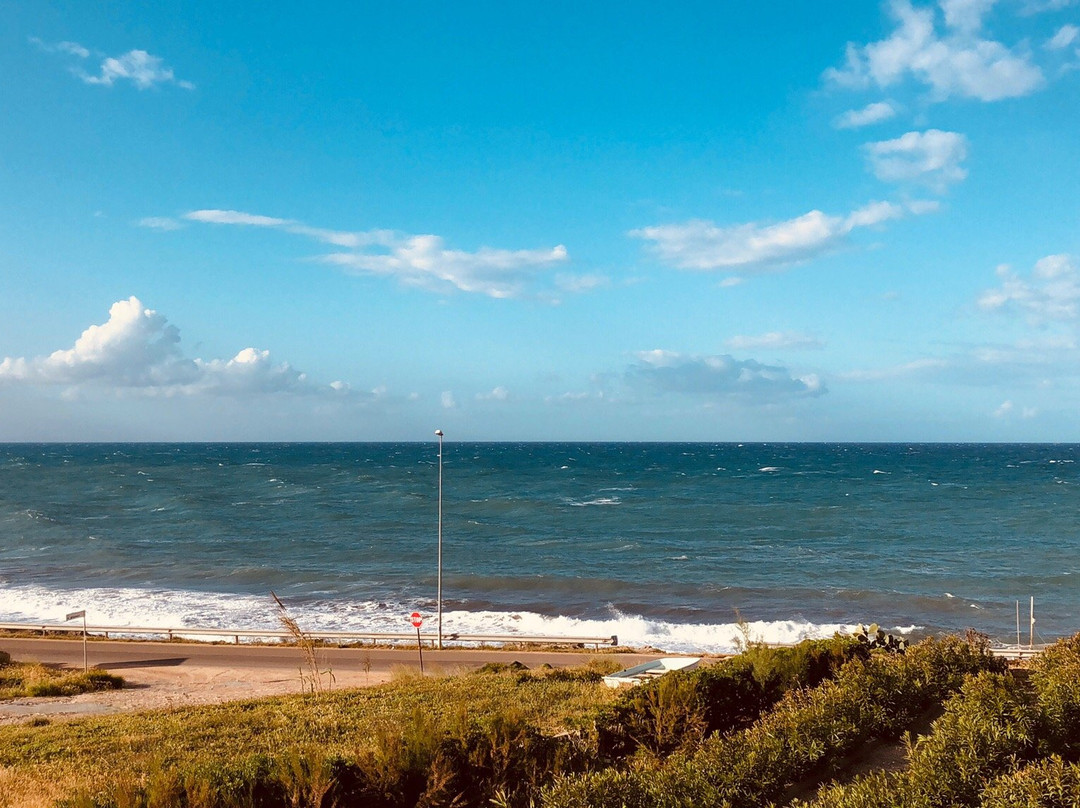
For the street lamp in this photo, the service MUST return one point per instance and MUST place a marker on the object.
(439, 435)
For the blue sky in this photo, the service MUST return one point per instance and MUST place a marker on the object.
(842, 221)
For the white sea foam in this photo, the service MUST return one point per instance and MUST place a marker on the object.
(769, 468)
(597, 501)
(160, 608)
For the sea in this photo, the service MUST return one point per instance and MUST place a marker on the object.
(684, 547)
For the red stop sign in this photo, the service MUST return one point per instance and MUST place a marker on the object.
(417, 620)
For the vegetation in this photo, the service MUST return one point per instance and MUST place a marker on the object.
(21, 679)
(765, 728)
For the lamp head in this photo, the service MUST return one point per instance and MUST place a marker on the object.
(438, 433)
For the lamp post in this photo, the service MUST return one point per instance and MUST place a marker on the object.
(439, 435)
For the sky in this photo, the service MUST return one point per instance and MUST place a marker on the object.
(788, 221)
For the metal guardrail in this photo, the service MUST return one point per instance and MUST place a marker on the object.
(339, 636)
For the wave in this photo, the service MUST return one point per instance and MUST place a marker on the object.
(179, 608)
(598, 501)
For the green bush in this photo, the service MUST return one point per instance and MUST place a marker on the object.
(989, 727)
(808, 731)
(1056, 678)
(1051, 783)
(681, 709)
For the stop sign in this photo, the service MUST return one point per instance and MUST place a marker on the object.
(417, 620)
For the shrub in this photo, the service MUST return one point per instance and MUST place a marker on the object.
(806, 732)
(1051, 783)
(990, 726)
(1056, 677)
(680, 709)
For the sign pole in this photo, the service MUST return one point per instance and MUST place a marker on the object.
(417, 621)
(71, 616)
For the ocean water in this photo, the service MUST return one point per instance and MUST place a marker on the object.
(663, 544)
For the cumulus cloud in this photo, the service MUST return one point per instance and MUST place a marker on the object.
(138, 350)
(776, 340)
(498, 394)
(958, 61)
(423, 261)
(447, 400)
(1050, 293)
(870, 114)
(142, 69)
(723, 376)
(930, 158)
(703, 245)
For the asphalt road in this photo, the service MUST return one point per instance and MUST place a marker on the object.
(120, 656)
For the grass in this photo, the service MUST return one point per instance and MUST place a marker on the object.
(87, 754)
(23, 679)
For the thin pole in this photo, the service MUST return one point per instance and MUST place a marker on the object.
(84, 665)
(420, 649)
(1031, 637)
(439, 434)
(1018, 624)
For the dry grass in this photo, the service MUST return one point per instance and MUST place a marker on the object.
(90, 752)
(23, 679)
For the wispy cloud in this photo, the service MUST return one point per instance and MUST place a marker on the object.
(1050, 293)
(873, 113)
(723, 376)
(139, 67)
(423, 261)
(958, 61)
(703, 245)
(137, 350)
(1066, 35)
(160, 223)
(775, 340)
(933, 158)
(70, 48)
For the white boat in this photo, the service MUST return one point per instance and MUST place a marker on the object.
(650, 670)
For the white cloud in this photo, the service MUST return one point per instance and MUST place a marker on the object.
(422, 261)
(142, 69)
(960, 63)
(137, 350)
(775, 340)
(932, 158)
(1051, 292)
(447, 400)
(702, 245)
(70, 48)
(160, 223)
(498, 394)
(1065, 36)
(725, 376)
(966, 15)
(425, 262)
(870, 114)
(1005, 408)
(235, 217)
